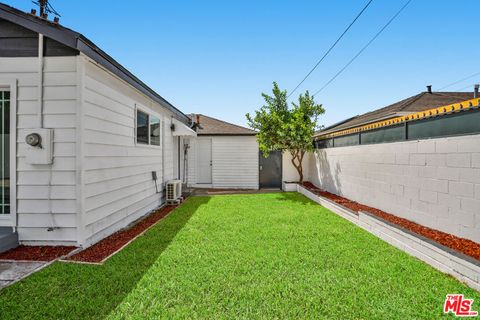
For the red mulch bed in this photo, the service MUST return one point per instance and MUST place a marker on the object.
(40, 253)
(465, 246)
(106, 247)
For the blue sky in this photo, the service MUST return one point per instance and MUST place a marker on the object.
(216, 57)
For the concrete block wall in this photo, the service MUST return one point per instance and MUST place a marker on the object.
(434, 182)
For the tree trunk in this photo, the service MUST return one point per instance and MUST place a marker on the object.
(297, 159)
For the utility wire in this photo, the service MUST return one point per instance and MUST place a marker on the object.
(469, 86)
(331, 48)
(46, 6)
(461, 80)
(363, 49)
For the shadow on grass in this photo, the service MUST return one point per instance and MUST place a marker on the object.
(295, 197)
(75, 291)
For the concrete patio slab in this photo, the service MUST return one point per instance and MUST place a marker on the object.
(4, 284)
(14, 271)
(211, 192)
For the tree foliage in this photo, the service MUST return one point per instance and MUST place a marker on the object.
(287, 129)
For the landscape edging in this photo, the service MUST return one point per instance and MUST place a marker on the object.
(435, 256)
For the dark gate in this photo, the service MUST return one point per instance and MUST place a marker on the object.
(271, 170)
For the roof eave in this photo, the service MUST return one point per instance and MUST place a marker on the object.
(227, 134)
(79, 42)
(90, 50)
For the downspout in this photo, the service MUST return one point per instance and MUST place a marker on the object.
(179, 158)
(163, 153)
(40, 80)
(41, 123)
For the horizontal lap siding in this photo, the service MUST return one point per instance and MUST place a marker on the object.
(117, 174)
(39, 206)
(191, 161)
(169, 153)
(235, 162)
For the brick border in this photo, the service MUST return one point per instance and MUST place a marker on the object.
(446, 261)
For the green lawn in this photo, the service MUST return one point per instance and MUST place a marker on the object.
(264, 256)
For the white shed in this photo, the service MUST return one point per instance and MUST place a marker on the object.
(102, 133)
(223, 156)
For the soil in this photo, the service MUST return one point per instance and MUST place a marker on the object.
(106, 247)
(36, 253)
(465, 246)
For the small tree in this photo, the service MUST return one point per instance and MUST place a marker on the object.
(287, 129)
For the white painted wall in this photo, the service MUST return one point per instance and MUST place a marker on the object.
(46, 194)
(118, 185)
(290, 173)
(100, 180)
(433, 182)
(234, 162)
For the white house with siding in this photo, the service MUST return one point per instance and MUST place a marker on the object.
(223, 155)
(108, 130)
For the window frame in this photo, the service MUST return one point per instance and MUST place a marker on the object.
(150, 114)
(10, 220)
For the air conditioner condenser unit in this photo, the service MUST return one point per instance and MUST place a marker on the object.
(174, 191)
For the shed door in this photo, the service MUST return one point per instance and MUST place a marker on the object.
(271, 170)
(204, 161)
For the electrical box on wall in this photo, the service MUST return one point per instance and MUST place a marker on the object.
(39, 146)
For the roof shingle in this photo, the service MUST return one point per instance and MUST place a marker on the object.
(420, 102)
(212, 126)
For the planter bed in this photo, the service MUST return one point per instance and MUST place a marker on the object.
(36, 253)
(465, 246)
(101, 251)
(289, 186)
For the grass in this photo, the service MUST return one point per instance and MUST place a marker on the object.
(243, 256)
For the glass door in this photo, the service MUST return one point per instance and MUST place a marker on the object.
(4, 152)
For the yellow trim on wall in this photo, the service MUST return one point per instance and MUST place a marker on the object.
(464, 105)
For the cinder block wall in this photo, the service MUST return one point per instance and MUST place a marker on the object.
(433, 182)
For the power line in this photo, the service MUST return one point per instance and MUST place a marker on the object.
(331, 48)
(45, 8)
(461, 80)
(469, 86)
(363, 49)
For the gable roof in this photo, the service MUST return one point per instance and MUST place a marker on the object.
(420, 102)
(214, 127)
(79, 42)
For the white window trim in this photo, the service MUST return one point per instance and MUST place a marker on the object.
(10, 220)
(149, 113)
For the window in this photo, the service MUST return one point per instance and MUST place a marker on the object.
(154, 131)
(142, 127)
(148, 129)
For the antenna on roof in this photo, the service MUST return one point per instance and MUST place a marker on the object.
(46, 8)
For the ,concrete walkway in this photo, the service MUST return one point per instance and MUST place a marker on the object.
(14, 271)
(205, 192)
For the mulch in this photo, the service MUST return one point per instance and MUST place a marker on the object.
(108, 246)
(36, 253)
(465, 246)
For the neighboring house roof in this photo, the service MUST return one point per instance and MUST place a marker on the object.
(214, 127)
(417, 103)
(79, 42)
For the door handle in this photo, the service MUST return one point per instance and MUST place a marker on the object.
(261, 168)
